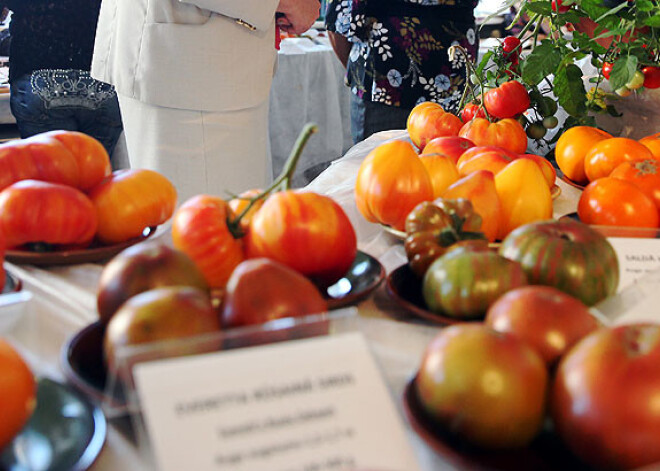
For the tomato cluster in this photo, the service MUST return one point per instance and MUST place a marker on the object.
(58, 189)
(647, 77)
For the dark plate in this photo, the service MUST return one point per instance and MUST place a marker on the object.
(65, 433)
(406, 289)
(364, 276)
(91, 254)
(545, 453)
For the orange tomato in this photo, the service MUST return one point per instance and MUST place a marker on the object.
(479, 188)
(18, 391)
(652, 142)
(429, 120)
(240, 203)
(546, 167)
(571, 148)
(451, 146)
(92, 158)
(489, 158)
(507, 133)
(128, 201)
(644, 174)
(2, 260)
(613, 202)
(442, 170)
(605, 155)
(199, 229)
(390, 182)
(524, 194)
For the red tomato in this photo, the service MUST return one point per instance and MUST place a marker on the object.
(508, 100)
(429, 120)
(451, 146)
(604, 398)
(507, 133)
(651, 77)
(511, 44)
(644, 174)
(605, 155)
(39, 157)
(612, 202)
(485, 387)
(129, 201)
(546, 318)
(36, 211)
(391, 181)
(199, 229)
(92, 158)
(306, 231)
(472, 110)
(607, 69)
(557, 6)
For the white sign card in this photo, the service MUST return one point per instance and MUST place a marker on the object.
(637, 257)
(316, 404)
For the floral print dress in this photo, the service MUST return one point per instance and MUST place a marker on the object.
(399, 48)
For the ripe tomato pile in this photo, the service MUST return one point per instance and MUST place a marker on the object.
(58, 188)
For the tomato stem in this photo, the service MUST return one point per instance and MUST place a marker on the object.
(283, 180)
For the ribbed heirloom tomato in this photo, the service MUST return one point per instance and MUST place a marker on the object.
(306, 231)
(429, 120)
(507, 133)
(508, 100)
(391, 181)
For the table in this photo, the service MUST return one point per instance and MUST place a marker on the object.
(64, 302)
(308, 86)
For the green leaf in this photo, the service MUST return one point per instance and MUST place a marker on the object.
(570, 91)
(644, 5)
(542, 8)
(622, 71)
(653, 21)
(543, 61)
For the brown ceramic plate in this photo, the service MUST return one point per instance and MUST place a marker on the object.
(91, 254)
(567, 180)
(406, 289)
(545, 453)
(364, 276)
(555, 191)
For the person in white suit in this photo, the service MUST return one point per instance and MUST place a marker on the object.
(193, 79)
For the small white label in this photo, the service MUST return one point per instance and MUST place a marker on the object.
(637, 257)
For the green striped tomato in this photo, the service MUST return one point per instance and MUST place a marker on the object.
(566, 254)
(463, 283)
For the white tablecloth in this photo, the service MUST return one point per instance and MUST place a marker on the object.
(308, 86)
(64, 302)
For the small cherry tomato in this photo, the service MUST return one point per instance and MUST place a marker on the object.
(557, 6)
(607, 69)
(636, 81)
(472, 110)
(536, 130)
(510, 44)
(651, 77)
(550, 122)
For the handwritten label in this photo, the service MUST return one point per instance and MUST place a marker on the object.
(637, 257)
(308, 405)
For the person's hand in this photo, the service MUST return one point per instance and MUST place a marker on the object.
(298, 15)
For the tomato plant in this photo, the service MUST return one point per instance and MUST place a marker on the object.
(613, 202)
(572, 147)
(603, 400)
(306, 231)
(18, 390)
(485, 387)
(508, 100)
(200, 229)
(463, 283)
(390, 182)
(431, 227)
(128, 201)
(33, 211)
(507, 133)
(546, 318)
(566, 254)
(429, 120)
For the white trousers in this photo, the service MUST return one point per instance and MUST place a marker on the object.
(216, 153)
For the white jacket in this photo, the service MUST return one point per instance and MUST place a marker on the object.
(192, 54)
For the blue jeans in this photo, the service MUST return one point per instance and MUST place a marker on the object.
(368, 117)
(66, 99)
